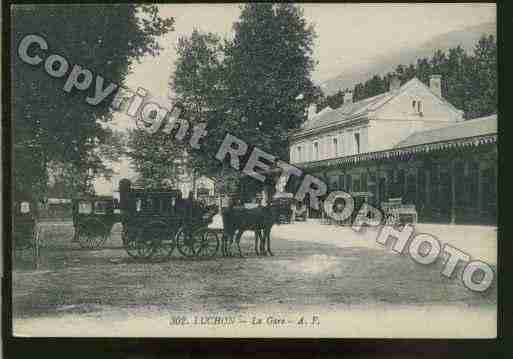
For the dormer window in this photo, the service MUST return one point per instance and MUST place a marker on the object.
(419, 107)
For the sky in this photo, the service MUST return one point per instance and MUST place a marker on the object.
(347, 35)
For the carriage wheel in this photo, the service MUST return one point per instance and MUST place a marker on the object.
(206, 242)
(144, 248)
(157, 236)
(130, 244)
(92, 234)
(185, 242)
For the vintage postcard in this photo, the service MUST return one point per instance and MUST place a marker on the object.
(254, 170)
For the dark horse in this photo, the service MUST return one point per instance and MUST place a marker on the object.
(237, 220)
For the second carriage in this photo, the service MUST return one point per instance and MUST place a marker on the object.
(156, 221)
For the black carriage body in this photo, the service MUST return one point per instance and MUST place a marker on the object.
(141, 208)
(93, 219)
(155, 221)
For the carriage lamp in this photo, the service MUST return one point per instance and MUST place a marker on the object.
(25, 207)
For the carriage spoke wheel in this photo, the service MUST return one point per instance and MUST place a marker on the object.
(144, 248)
(92, 234)
(130, 244)
(157, 237)
(185, 242)
(206, 242)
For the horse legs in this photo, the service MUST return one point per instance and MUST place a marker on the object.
(268, 237)
(257, 238)
(262, 242)
(237, 241)
(226, 243)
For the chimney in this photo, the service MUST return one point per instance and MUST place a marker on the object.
(312, 110)
(435, 84)
(348, 97)
(395, 83)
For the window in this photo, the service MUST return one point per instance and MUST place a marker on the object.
(341, 182)
(413, 103)
(333, 183)
(316, 151)
(356, 185)
(299, 158)
(419, 107)
(335, 147)
(364, 183)
(357, 143)
(349, 183)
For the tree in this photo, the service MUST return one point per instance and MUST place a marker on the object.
(248, 86)
(336, 100)
(153, 160)
(269, 64)
(483, 79)
(470, 80)
(199, 85)
(51, 125)
(456, 80)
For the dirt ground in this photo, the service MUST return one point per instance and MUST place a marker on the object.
(308, 273)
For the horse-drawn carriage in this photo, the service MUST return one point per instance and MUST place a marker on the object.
(155, 221)
(93, 219)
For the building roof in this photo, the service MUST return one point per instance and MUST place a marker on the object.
(470, 128)
(470, 133)
(360, 108)
(348, 111)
